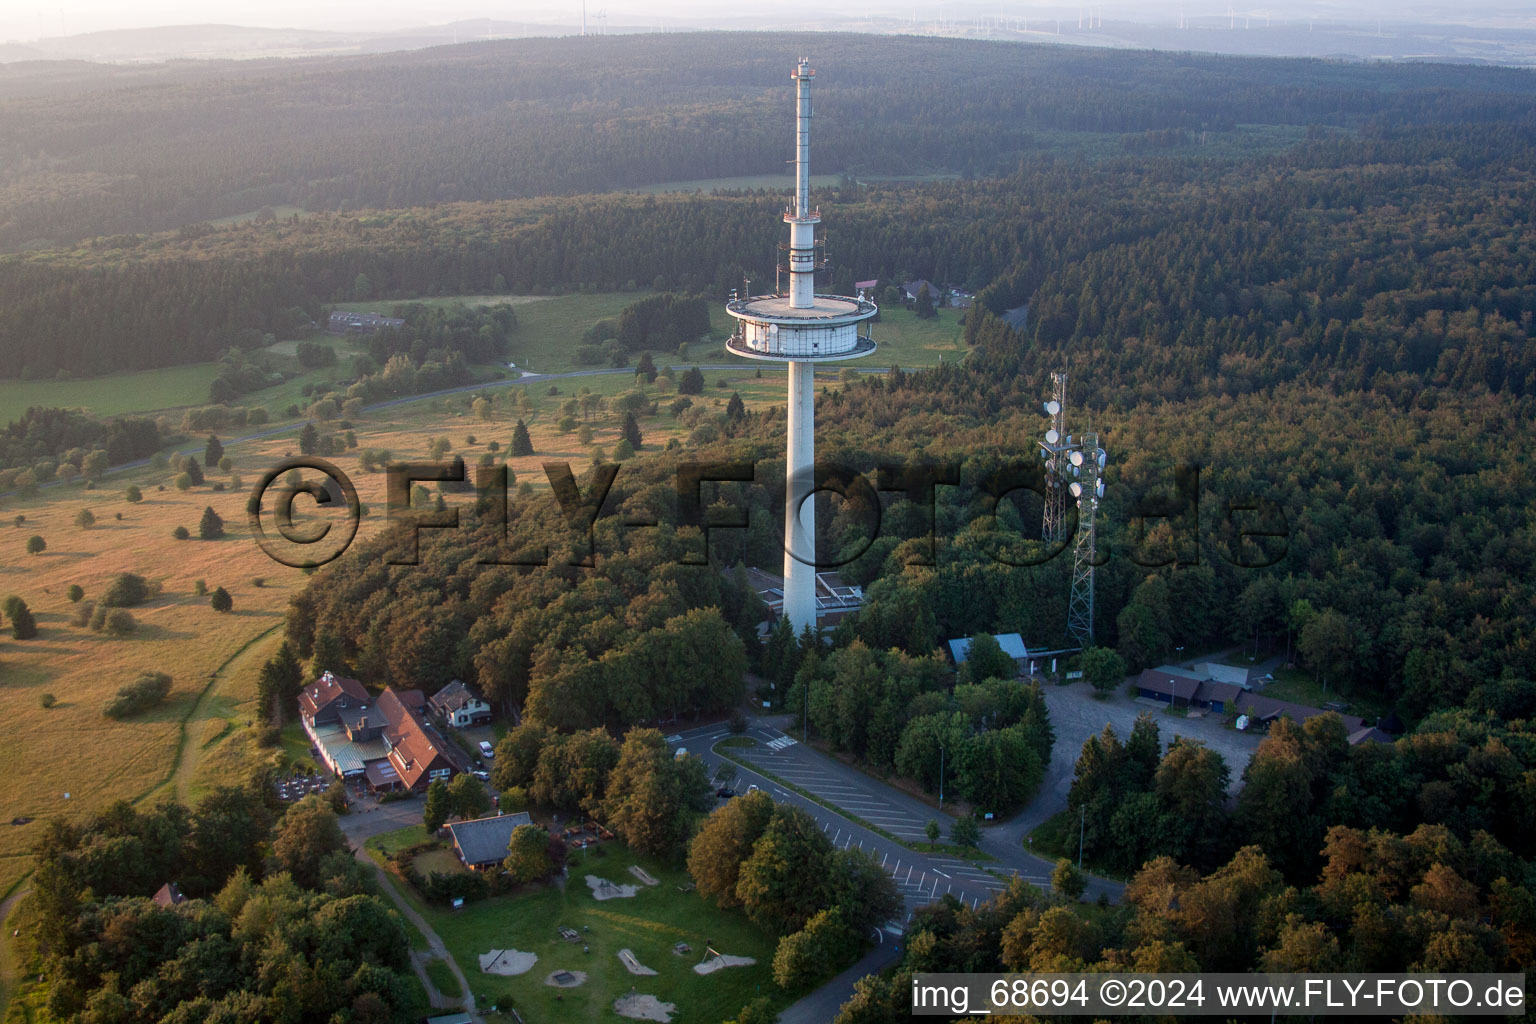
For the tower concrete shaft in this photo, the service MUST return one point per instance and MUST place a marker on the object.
(799, 499)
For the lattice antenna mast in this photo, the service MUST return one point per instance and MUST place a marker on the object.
(1087, 462)
(1054, 451)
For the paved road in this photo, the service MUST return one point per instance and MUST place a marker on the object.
(822, 1005)
(370, 819)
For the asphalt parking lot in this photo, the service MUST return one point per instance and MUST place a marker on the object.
(1077, 715)
(921, 877)
(848, 789)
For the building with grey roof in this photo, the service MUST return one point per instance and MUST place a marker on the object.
(482, 842)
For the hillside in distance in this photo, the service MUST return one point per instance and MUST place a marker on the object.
(95, 150)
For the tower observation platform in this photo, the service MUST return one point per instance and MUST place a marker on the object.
(773, 327)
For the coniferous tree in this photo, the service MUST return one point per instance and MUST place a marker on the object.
(522, 444)
(221, 601)
(214, 452)
(23, 625)
(309, 439)
(211, 526)
(923, 307)
(630, 431)
(691, 382)
(193, 470)
(435, 809)
(279, 682)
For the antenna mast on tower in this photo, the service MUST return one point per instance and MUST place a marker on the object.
(1053, 451)
(1087, 487)
(1073, 470)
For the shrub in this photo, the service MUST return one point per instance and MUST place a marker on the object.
(82, 614)
(85, 519)
(36, 545)
(258, 582)
(127, 590)
(221, 601)
(138, 696)
(133, 494)
(183, 481)
(120, 622)
(48, 700)
(74, 593)
(200, 587)
(181, 533)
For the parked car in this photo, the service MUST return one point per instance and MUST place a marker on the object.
(486, 750)
(726, 792)
(483, 776)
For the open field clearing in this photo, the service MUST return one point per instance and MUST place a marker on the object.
(549, 329)
(649, 925)
(112, 395)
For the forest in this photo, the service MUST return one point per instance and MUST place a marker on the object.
(279, 922)
(94, 151)
(1318, 215)
(1373, 858)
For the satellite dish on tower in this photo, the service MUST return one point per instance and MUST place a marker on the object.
(1077, 489)
(1101, 489)
(1053, 407)
(1103, 457)
(1052, 436)
(1077, 458)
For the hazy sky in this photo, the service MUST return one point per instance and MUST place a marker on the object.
(29, 19)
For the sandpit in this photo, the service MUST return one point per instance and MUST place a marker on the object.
(631, 964)
(644, 876)
(565, 979)
(509, 962)
(602, 889)
(720, 960)
(641, 1007)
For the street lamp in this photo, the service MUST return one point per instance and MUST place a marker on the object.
(941, 776)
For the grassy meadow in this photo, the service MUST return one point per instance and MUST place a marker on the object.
(649, 924)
